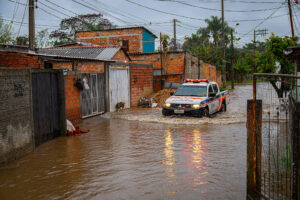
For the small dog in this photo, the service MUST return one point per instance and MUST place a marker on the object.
(120, 106)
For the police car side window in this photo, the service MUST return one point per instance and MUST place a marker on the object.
(210, 89)
(215, 88)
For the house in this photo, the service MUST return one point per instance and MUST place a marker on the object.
(139, 43)
(111, 76)
(132, 39)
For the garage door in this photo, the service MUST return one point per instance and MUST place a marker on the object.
(119, 86)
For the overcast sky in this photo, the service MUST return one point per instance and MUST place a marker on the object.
(268, 14)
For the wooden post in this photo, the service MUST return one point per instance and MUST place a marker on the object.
(62, 102)
(254, 146)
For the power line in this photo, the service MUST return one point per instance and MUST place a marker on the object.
(91, 8)
(214, 9)
(163, 11)
(41, 25)
(22, 20)
(261, 22)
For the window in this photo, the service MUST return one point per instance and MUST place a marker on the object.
(210, 89)
(215, 87)
(198, 91)
(125, 45)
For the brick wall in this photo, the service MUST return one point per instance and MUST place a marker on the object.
(219, 75)
(73, 109)
(62, 65)
(141, 83)
(19, 60)
(90, 67)
(81, 66)
(120, 56)
(112, 37)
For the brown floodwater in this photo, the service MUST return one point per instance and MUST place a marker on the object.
(123, 159)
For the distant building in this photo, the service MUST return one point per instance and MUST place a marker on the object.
(132, 39)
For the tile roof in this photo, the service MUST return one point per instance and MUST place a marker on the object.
(95, 53)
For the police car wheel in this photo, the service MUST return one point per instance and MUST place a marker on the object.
(165, 113)
(206, 112)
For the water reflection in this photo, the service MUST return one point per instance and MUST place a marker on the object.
(169, 154)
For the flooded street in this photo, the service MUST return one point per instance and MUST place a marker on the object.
(139, 159)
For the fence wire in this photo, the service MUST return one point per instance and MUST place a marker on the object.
(277, 94)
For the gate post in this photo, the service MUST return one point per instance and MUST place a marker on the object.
(295, 132)
(62, 102)
(254, 146)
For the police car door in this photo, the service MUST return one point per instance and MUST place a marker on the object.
(211, 105)
(217, 101)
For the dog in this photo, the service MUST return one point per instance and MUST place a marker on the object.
(120, 106)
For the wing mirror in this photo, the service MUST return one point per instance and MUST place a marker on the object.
(171, 93)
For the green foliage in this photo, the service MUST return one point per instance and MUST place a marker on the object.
(206, 44)
(273, 60)
(21, 40)
(69, 26)
(6, 35)
(165, 41)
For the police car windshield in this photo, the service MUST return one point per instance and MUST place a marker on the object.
(198, 91)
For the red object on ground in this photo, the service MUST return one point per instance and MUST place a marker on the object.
(70, 133)
(77, 130)
(84, 131)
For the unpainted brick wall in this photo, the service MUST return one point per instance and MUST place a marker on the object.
(62, 65)
(81, 66)
(16, 131)
(73, 109)
(219, 75)
(19, 60)
(141, 83)
(120, 56)
(112, 37)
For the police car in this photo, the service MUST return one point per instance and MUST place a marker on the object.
(196, 97)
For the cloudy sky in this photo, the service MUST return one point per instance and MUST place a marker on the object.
(157, 15)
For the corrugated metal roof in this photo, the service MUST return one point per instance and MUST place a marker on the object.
(98, 53)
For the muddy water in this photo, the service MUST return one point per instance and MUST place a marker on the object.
(121, 159)
(236, 112)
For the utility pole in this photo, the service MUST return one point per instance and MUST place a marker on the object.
(291, 18)
(223, 43)
(175, 45)
(232, 61)
(161, 62)
(254, 48)
(31, 25)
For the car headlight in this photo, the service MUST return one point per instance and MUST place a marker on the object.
(196, 106)
(167, 105)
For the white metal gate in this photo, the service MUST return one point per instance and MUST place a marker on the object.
(119, 86)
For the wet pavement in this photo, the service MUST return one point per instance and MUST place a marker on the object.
(138, 159)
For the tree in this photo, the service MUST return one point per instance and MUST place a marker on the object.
(206, 44)
(21, 40)
(165, 41)
(69, 26)
(5, 32)
(273, 60)
(42, 39)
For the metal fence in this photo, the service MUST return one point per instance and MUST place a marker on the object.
(273, 151)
